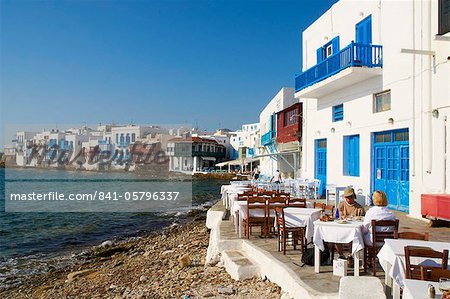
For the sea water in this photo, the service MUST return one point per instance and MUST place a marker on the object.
(32, 243)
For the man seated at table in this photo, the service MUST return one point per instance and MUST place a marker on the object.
(348, 208)
(378, 212)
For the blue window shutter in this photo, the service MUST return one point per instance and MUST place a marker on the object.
(319, 55)
(338, 112)
(356, 155)
(351, 155)
(335, 44)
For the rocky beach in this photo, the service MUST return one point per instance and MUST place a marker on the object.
(169, 264)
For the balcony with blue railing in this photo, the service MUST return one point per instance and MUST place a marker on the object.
(366, 58)
(268, 138)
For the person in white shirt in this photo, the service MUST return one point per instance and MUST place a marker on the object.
(276, 177)
(377, 212)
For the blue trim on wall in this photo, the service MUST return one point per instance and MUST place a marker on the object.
(338, 113)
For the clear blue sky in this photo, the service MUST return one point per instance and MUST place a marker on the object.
(215, 63)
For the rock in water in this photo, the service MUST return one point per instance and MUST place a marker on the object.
(185, 261)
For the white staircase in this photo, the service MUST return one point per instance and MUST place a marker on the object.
(238, 265)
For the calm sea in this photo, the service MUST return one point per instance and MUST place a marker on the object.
(35, 242)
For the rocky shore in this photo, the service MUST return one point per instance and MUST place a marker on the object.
(170, 264)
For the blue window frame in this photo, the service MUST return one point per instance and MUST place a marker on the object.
(351, 155)
(338, 112)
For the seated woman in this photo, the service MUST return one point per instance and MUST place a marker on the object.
(378, 212)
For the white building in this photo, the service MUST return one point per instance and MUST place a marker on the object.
(22, 144)
(375, 92)
(271, 160)
(244, 141)
(196, 154)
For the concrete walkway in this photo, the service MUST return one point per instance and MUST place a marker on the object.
(286, 270)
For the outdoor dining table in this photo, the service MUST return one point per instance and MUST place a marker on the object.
(230, 192)
(302, 217)
(418, 289)
(336, 232)
(392, 260)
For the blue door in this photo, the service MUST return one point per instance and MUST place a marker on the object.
(321, 165)
(364, 31)
(363, 36)
(390, 167)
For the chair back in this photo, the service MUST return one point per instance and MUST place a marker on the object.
(433, 274)
(412, 271)
(412, 236)
(329, 210)
(297, 202)
(265, 193)
(279, 214)
(256, 203)
(275, 202)
(383, 229)
(319, 205)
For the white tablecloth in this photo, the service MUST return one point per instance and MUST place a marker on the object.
(298, 217)
(339, 233)
(418, 289)
(229, 194)
(393, 254)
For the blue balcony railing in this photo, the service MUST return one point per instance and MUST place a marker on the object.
(268, 138)
(355, 54)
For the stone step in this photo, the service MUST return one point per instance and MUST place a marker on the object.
(238, 265)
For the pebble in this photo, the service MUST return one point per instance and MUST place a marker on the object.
(225, 290)
(168, 252)
(185, 261)
(143, 278)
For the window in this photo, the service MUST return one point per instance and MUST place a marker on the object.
(290, 117)
(382, 101)
(444, 17)
(133, 137)
(328, 51)
(338, 112)
(351, 155)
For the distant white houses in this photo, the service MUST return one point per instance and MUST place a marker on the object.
(244, 141)
(195, 154)
(375, 89)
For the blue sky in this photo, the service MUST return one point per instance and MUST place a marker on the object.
(215, 63)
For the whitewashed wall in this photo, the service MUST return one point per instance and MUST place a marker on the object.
(418, 86)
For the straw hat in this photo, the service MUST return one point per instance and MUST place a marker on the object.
(379, 198)
(348, 192)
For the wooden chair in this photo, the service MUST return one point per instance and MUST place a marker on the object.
(319, 205)
(297, 202)
(378, 237)
(272, 204)
(296, 233)
(329, 210)
(433, 274)
(412, 271)
(256, 215)
(412, 236)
